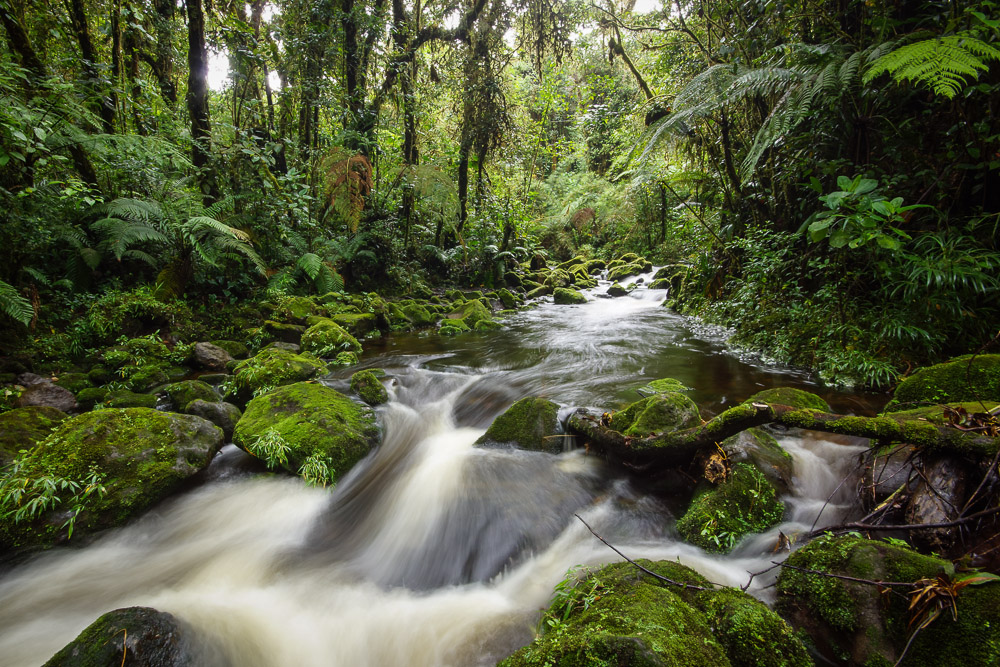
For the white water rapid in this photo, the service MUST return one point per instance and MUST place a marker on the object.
(430, 552)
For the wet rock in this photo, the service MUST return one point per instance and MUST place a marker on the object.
(855, 623)
(617, 290)
(211, 357)
(531, 423)
(223, 415)
(568, 296)
(235, 349)
(938, 498)
(759, 448)
(23, 428)
(887, 471)
(182, 393)
(796, 398)
(140, 455)
(28, 379)
(139, 636)
(294, 348)
(719, 516)
(47, 394)
(304, 420)
(271, 368)
(662, 412)
(368, 387)
(419, 315)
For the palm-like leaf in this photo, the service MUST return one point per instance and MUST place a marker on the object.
(14, 305)
(943, 63)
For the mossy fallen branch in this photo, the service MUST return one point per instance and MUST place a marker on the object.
(679, 447)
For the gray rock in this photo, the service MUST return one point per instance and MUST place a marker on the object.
(28, 379)
(939, 498)
(50, 395)
(288, 347)
(223, 415)
(211, 357)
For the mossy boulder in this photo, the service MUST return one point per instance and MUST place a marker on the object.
(471, 312)
(88, 398)
(123, 398)
(855, 623)
(236, 349)
(327, 339)
(620, 615)
(507, 298)
(659, 283)
(566, 296)
(531, 423)
(143, 635)
(617, 290)
(368, 387)
(74, 382)
(624, 271)
(487, 325)
(358, 325)
(23, 428)
(453, 327)
(271, 368)
(182, 393)
(662, 412)
(541, 290)
(759, 448)
(558, 278)
(718, 517)
(223, 415)
(296, 309)
(419, 315)
(751, 633)
(965, 378)
(796, 398)
(286, 333)
(311, 419)
(141, 455)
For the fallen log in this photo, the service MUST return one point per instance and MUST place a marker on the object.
(680, 447)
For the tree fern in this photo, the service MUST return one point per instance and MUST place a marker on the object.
(942, 63)
(15, 306)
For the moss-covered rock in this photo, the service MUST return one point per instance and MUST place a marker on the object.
(223, 415)
(287, 333)
(312, 420)
(296, 309)
(624, 271)
(566, 296)
(619, 615)
(471, 312)
(133, 635)
(558, 278)
(271, 368)
(74, 382)
(531, 423)
(541, 290)
(345, 359)
(123, 398)
(327, 338)
(965, 378)
(751, 634)
(796, 398)
(182, 393)
(759, 448)
(453, 327)
(236, 349)
(719, 516)
(662, 412)
(147, 377)
(141, 455)
(368, 387)
(507, 298)
(617, 290)
(88, 398)
(659, 283)
(358, 325)
(419, 315)
(23, 428)
(487, 325)
(855, 623)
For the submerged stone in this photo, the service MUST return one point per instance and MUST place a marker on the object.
(531, 423)
(307, 419)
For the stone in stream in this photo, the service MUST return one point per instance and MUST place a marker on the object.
(565, 296)
(138, 636)
(531, 423)
(271, 368)
(368, 387)
(620, 615)
(139, 455)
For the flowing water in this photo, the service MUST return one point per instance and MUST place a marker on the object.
(431, 551)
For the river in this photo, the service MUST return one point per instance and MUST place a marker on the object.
(431, 551)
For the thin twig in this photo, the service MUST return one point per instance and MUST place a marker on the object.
(907, 526)
(755, 574)
(989, 473)
(667, 580)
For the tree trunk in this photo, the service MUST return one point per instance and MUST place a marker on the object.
(197, 99)
(102, 104)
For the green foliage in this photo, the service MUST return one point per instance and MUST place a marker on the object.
(273, 449)
(15, 306)
(941, 63)
(315, 470)
(25, 497)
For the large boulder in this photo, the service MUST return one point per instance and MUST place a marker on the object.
(471, 313)
(47, 394)
(531, 423)
(620, 615)
(855, 622)
(23, 428)
(293, 423)
(565, 296)
(135, 636)
(273, 367)
(961, 379)
(138, 455)
(742, 502)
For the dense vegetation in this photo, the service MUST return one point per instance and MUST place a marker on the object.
(825, 177)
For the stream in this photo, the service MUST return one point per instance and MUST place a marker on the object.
(430, 551)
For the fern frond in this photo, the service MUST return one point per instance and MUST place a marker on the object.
(37, 275)
(942, 63)
(133, 209)
(139, 255)
(311, 264)
(14, 305)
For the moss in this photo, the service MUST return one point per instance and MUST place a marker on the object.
(759, 448)
(529, 424)
(935, 414)
(617, 290)
(235, 349)
(507, 298)
(471, 312)
(147, 377)
(488, 325)
(853, 618)
(288, 333)
(745, 503)
(664, 385)
(669, 411)
(367, 386)
(312, 419)
(453, 327)
(568, 296)
(621, 616)
(99, 374)
(123, 398)
(182, 393)
(558, 278)
(541, 290)
(88, 398)
(345, 359)
(796, 398)
(419, 316)
(752, 634)
(296, 309)
(273, 367)
(327, 338)
(74, 382)
(624, 271)
(143, 454)
(357, 324)
(22, 428)
(574, 261)
(660, 283)
(154, 638)
(960, 379)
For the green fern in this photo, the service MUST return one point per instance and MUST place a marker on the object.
(942, 63)
(14, 305)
